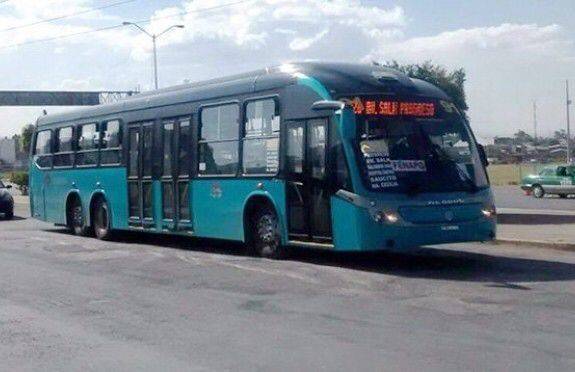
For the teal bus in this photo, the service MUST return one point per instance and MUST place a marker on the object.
(344, 157)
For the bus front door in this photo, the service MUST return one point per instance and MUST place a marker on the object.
(308, 195)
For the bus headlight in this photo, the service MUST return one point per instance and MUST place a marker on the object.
(489, 212)
(388, 217)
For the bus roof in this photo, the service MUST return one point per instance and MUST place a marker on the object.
(335, 79)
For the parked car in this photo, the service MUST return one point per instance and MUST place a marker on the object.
(6, 201)
(559, 180)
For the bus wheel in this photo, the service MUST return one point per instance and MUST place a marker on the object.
(76, 221)
(266, 236)
(101, 219)
(538, 191)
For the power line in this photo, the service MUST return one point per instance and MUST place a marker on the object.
(64, 16)
(144, 21)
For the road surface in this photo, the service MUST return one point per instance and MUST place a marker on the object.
(158, 303)
(514, 197)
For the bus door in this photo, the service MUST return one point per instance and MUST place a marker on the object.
(140, 160)
(176, 209)
(308, 194)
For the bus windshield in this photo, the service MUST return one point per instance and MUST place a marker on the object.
(414, 155)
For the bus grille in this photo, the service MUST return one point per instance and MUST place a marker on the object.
(441, 214)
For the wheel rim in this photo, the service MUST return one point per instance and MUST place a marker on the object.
(102, 219)
(538, 192)
(77, 217)
(267, 234)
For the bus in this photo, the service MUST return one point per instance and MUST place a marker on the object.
(342, 157)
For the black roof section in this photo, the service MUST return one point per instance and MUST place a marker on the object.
(340, 80)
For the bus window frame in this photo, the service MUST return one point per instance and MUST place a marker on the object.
(50, 154)
(77, 142)
(119, 149)
(55, 138)
(199, 141)
(276, 99)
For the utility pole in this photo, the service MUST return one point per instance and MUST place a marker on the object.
(535, 120)
(567, 103)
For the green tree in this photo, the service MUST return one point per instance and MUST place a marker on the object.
(26, 137)
(522, 137)
(451, 82)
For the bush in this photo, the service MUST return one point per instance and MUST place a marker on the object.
(20, 179)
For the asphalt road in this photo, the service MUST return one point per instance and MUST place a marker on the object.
(159, 303)
(514, 197)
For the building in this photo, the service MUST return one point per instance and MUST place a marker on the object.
(8, 151)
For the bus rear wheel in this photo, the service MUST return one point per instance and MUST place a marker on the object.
(265, 235)
(101, 220)
(76, 221)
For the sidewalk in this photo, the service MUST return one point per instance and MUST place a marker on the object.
(546, 228)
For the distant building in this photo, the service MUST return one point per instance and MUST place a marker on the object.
(8, 151)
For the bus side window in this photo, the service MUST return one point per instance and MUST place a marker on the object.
(63, 151)
(87, 154)
(111, 143)
(218, 144)
(43, 150)
(184, 146)
(261, 137)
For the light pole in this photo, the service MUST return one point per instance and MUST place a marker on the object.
(154, 37)
(567, 103)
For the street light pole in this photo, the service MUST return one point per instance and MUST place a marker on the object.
(567, 104)
(154, 38)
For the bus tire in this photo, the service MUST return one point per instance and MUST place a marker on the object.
(538, 191)
(101, 220)
(75, 217)
(265, 234)
(563, 196)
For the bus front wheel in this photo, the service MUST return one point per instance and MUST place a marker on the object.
(101, 219)
(265, 235)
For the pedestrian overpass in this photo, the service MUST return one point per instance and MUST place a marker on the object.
(61, 98)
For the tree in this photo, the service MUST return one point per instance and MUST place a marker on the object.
(522, 137)
(26, 137)
(560, 134)
(451, 82)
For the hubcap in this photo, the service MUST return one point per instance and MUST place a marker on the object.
(538, 192)
(102, 218)
(266, 231)
(77, 218)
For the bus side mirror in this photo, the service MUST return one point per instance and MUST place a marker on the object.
(482, 155)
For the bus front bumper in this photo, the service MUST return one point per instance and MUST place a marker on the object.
(358, 231)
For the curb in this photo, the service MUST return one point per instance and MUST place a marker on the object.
(570, 247)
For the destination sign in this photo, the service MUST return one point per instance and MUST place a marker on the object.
(383, 107)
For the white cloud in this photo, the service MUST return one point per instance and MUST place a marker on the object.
(529, 39)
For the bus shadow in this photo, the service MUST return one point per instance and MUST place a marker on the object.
(448, 264)
(424, 262)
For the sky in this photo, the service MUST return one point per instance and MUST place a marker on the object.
(515, 52)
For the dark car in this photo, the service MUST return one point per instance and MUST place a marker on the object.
(6, 201)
